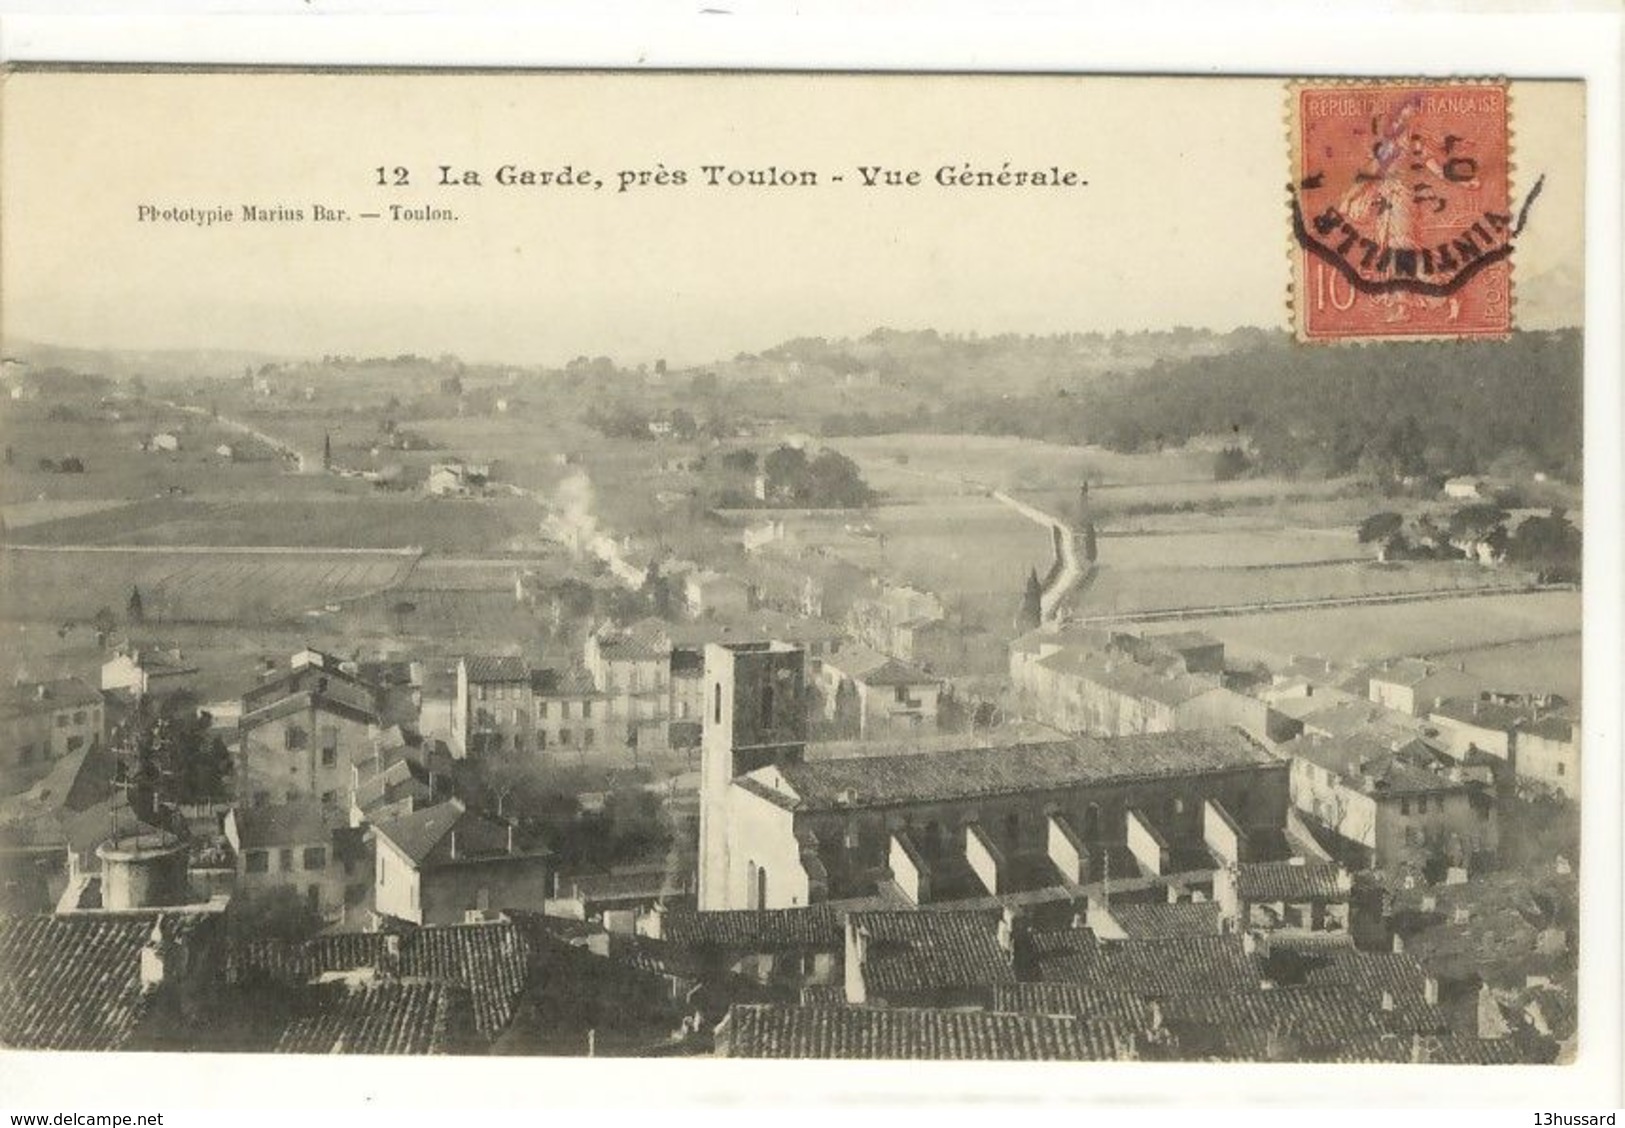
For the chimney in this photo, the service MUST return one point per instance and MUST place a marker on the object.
(1419, 1050)
(454, 845)
(510, 838)
(1399, 943)
(1388, 1002)
(39, 692)
(1430, 991)
(155, 958)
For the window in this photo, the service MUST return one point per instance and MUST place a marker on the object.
(564, 737)
(330, 757)
(481, 694)
(292, 795)
(1560, 767)
(61, 720)
(330, 737)
(1413, 836)
(541, 710)
(586, 708)
(588, 738)
(79, 717)
(256, 861)
(285, 858)
(315, 857)
(900, 693)
(75, 743)
(330, 798)
(1404, 806)
(541, 741)
(293, 738)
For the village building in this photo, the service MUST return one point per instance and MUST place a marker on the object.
(140, 671)
(1547, 750)
(456, 478)
(446, 863)
(491, 709)
(1392, 809)
(873, 696)
(706, 592)
(1297, 894)
(41, 722)
(1415, 686)
(300, 734)
(778, 830)
(305, 848)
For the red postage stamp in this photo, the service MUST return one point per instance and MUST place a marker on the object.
(1402, 210)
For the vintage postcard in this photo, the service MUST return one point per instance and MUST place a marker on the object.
(794, 566)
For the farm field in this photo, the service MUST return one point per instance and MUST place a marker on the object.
(367, 521)
(441, 621)
(1526, 640)
(1231, 549)
(1119, 590)
(972, 549)
(58, 585)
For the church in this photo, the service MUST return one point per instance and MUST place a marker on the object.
(781, 827)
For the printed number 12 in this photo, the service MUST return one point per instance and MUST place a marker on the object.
(396, 176)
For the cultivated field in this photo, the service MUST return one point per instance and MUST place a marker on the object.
(369, 520)
(55, 585)
(1521, 641)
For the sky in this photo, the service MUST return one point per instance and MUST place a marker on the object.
(1182, 221)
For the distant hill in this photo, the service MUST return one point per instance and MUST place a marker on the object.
(122, 364)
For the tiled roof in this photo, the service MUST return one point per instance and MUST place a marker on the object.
(284, 824)
(642, 641)
(754, 930)
(1153, 968)
(1289, 881)
(1490, 715)
(1375, 974)
(1549, 728)
(29, 698)
(489, 668)
(298, 703)
(1074, 999)
(74, 983)
(1445, 1049)
(377, 1017)
(401, 780)
(967, 773)
(774, 1031)
(426, 836)
(489, 961)
(648, 884)
(331, 685)
(1251, 1025)
(573, 681)
(1161, 921)
(912, 951)
(1126, 676)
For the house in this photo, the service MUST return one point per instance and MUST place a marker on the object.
(1292, 895)
(706, 592)
(225, 451)
(1391, 809)
(1547, 750)
(794, 949)
(1464, 489)
(443, 863)
(41, 722)
(1468, 723)
(401, 778)
(570, 713)
(939, 959)
(300, 735)
(164, 441)
(456, 478)
(303, 847)
(872, 695)
(143, 670)
(491, 710)
(1414, 686)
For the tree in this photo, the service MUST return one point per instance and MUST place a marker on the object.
(1229, 464)
(1091, 550)
(171, 756)
(1032, 604)
(327, 451)
(134, 612)
(105, 623)
(1379, 527)
(1477, 521)
(1551, 545)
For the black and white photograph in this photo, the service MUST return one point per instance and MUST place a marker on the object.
(840, 566)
